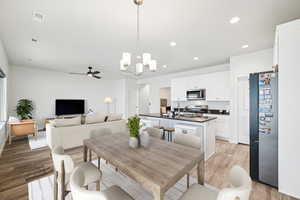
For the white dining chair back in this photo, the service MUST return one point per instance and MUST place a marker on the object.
(240, 188)
(241, 185)
(77, 181)
(59, 156)
(154, 132)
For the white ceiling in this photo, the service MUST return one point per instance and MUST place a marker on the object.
(78, 33)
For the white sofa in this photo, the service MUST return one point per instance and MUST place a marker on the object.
(73, 136)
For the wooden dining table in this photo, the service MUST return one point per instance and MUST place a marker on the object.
(157, 167)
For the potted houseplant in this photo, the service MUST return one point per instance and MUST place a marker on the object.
(134, 128)
(24, 109)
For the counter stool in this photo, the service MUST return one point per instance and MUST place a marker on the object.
(170, 133)
(161, 128)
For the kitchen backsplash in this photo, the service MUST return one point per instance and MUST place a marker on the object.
(216, 105)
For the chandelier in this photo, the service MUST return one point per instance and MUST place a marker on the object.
(143, 60)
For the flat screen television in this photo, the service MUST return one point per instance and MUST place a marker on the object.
(69, 106)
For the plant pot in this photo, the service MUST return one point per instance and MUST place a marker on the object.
(133, 142)
(144, 137)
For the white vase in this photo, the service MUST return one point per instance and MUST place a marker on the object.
(144, 137)
(133, 142)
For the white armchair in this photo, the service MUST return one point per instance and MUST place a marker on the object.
(240, 188)
(77, 182)
(63, 167)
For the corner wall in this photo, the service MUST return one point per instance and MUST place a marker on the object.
(5, 67)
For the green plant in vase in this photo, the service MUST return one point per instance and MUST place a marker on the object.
(134, 127)
(24, 109)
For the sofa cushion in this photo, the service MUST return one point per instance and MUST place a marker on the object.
(114, 117)
(66, 122)
(95, 118)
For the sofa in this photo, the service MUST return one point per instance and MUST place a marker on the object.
(72, 132)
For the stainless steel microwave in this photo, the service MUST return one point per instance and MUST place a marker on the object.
(197, 94)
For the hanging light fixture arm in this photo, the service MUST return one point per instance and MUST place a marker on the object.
(138, 2)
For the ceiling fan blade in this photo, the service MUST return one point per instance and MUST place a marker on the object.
(74, 73)
(98, 77)
(96, 72)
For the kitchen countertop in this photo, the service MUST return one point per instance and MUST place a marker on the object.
(189, 119)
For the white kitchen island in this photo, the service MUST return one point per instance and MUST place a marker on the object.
(198, 126)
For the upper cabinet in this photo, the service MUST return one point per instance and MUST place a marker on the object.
(217, 86)
(178, 89)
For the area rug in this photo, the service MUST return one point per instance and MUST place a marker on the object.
(42, 189)
(38, 141)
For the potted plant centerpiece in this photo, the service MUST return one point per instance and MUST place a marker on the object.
(134, 129)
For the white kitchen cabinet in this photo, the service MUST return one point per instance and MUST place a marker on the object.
(178, 89)
(218, 87)
(221, 125)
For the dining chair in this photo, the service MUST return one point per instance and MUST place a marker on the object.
(63, 166)
(96, 133)
(78, 180)
(240, 188)
(190, 141)
(154, 132)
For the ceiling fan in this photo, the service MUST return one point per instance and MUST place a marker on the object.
(90, 73)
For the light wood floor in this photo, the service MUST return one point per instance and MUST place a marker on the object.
(19, 165)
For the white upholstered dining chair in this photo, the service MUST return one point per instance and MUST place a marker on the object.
(190, 141)
(240, 188)
(78, 180)
(154, 132)
(63, 166)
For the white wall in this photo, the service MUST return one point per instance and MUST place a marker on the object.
(158, 82)
(242, 66)
(5, 67)
(43, 87)
(289, 109)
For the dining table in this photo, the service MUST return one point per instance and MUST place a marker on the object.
(157, 167)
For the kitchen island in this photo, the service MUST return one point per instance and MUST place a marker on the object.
(203, 127)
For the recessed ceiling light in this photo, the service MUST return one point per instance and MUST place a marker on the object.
(37, 16)
(196, 58)
(234, 20)
(173, 44)
(245, 46)
(164, 66)
(33, 39)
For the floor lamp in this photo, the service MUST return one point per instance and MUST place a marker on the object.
(108, 100)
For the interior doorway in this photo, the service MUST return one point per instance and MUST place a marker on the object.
(165, 99)
(243, 110)
(144, 102)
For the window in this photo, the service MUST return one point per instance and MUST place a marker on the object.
(3, 95)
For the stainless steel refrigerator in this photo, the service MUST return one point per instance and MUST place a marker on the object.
(264, 127)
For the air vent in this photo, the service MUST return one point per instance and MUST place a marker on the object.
(37, 16)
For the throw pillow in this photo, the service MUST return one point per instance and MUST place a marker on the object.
(114, 117)
(67, 122)
(94, 118)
